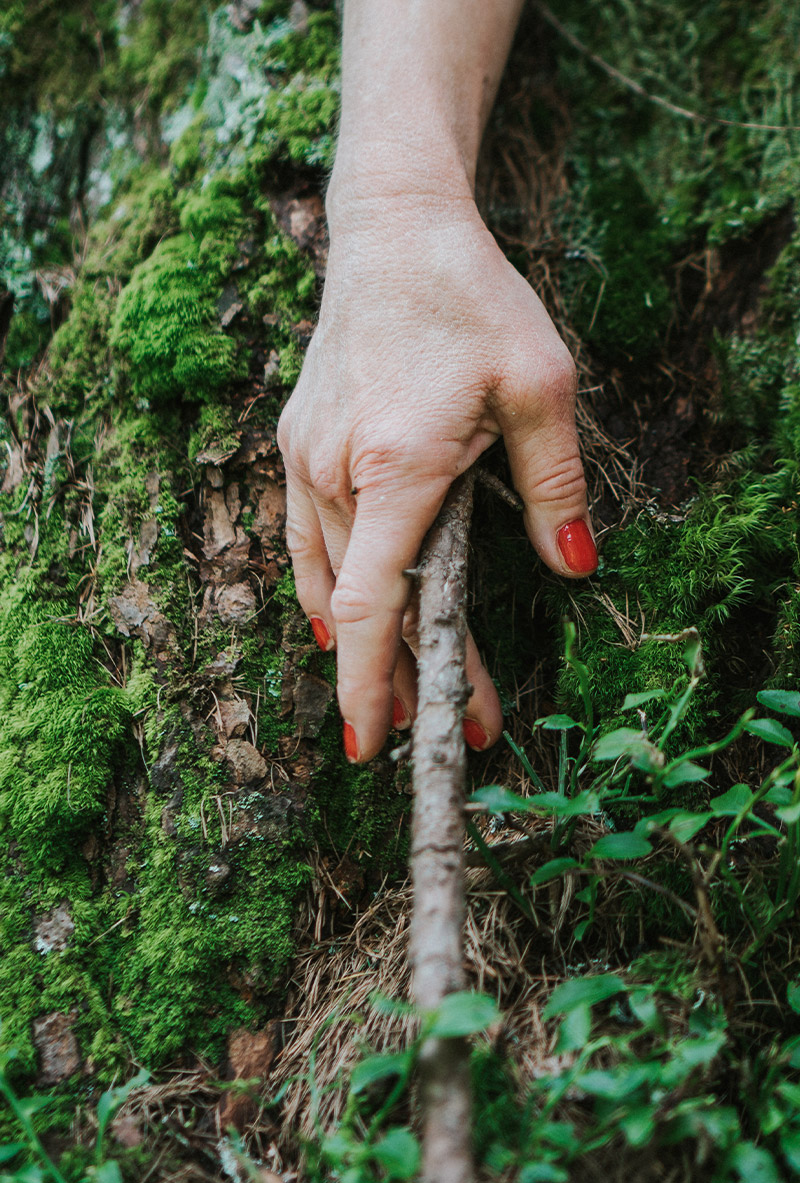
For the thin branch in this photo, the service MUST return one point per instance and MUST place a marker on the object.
(437, 851)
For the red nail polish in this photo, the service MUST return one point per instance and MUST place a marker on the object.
(400, 716)
(321, 633)
(474, 734)
(350, 743)
(577, 546)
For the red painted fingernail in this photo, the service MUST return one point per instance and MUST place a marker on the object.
(350, 743)
(577, 546)
(400, 716)
(321, 633)
(475, 736)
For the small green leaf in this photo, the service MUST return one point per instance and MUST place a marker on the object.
(618, 743)
(638, 700)
(10, 1150)
(699, 1050)
(793, 996)
(338, 1146)
(779, 795)
(463, 1013)
(26, 1175)
(790, 1092)
(556, 723)
(620, 846)
(613, 1084)
(497, 799)
(685, 825)
(581, 928)
(108, 1172)
(754, 1164)
(638, 1125)
(790, 1148)
(643, 1005)
(582, 991)
(582, 803)
(772, 731)
(786, 702)
(560, 1133)
(30, 1105)
(552, 869)
(398, 1153)
(687, 772)
(378, 1067)
(789, 813)
(542, 1172)
(729, 804)
(575, 1030)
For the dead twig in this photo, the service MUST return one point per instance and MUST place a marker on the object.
(437, 851)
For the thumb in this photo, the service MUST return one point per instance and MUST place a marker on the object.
(542, 443)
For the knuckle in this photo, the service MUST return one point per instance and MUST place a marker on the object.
(349, 603)
(561, 377)
(299, 543)
(326, 477)
(383, 460)
(543, 385)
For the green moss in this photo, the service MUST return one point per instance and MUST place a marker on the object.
(163, 49)
(733, 551)
(164, 329)
(63, 729)
(623, 300)
(54, 51)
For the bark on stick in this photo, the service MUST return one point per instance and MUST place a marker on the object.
(437, 858)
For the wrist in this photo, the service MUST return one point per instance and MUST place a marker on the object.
(386, 178)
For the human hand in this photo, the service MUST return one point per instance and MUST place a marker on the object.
(429, 346)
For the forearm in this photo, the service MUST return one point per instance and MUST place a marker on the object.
(418, 81)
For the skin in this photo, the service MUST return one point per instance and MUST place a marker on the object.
(429, 346)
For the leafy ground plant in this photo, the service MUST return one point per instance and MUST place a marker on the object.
(647, 1077)
(649, 1060)
(28, 1160)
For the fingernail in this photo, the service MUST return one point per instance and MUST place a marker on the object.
(321, 633)
(577, 546)
(474, 734)
(400, 716)
(350, 743)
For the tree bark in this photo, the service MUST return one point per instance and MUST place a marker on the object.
(437, 859)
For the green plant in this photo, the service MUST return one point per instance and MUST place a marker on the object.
(34, 1163)
(369, 1145)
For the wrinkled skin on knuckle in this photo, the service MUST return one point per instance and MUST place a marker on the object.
(351, 602)
(561, 380)
(540, 383)
(327, 475)
(565, 481)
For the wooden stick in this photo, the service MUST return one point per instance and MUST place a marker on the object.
(437, 852)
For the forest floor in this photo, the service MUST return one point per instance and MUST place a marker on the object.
(199, 896)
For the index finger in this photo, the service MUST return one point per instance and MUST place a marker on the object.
(368, 604)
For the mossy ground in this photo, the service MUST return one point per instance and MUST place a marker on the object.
(173, 320)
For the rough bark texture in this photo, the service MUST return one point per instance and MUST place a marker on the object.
(438, 834)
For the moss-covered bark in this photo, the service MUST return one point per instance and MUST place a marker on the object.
(169, 745)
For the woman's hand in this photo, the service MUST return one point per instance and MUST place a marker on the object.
(429, 346)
